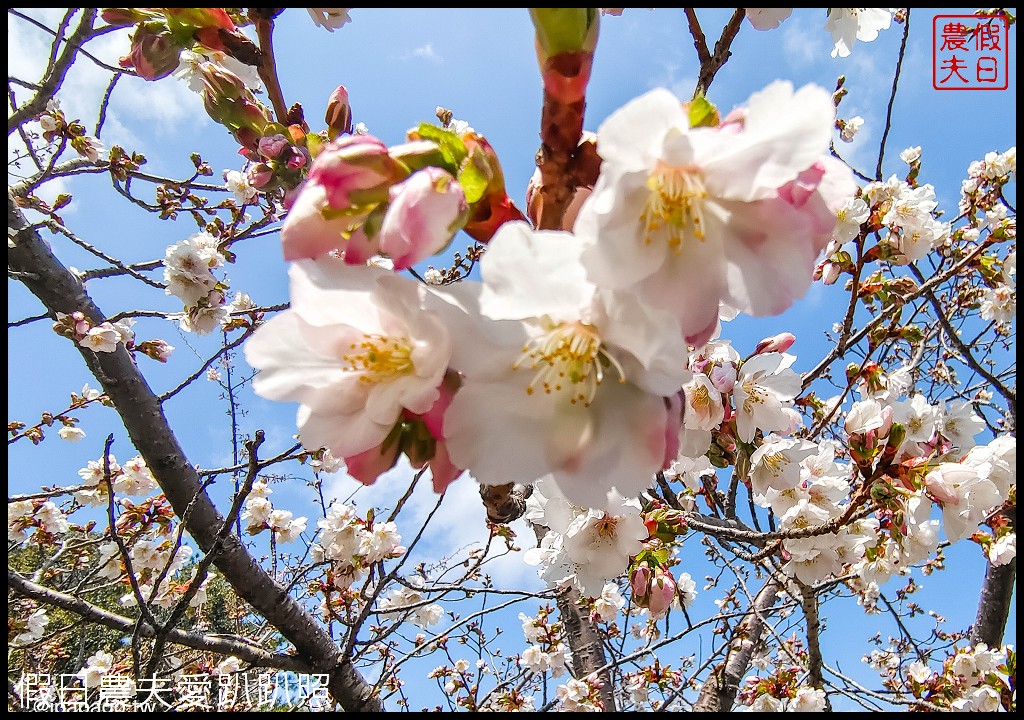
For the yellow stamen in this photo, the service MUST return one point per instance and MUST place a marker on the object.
(774, 462)
(675, 205)
(379, 358)
(755, 394)
(568, 357)
(700, 400)
(606, 526)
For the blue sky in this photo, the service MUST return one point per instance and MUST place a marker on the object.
(398, 66)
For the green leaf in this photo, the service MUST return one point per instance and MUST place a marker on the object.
(703, 113)
(453, 150)
(474, 177)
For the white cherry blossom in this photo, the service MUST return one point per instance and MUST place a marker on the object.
(569, 380)
(355, 349)
(848, 25)
(688, 217)
(764, 389)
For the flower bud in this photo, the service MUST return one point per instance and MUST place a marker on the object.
(156, 349)
(154, 52)
(121, 17)
(259, 175)
(776, 343)
(565, 42)
(640, 581)
(494, 208)
(723, 377)
(663, 591)
(272, 146)
(355, 170)
(426, 211)
(339, 114)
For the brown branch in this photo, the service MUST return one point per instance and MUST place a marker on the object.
(700, 43)
(809, 604)
(996, 596)
(148, 428)
(711, 64)
(839, 350)
(719, 691)
(55, 73)
(200, 574)
(267, 67)
(1010, 396)
(251, 654)
(892, 95)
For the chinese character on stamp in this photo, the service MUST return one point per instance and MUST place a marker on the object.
(970, 52)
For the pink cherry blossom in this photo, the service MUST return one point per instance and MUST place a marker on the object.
(426, 211)
(687, 218)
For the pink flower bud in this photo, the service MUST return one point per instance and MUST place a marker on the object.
(663, 591)
(776, 343)
(355, 170)
(296, 161)
(306, 232)
(723, 377)
(640, 581)
(941, 483)
(272, 146)
(883, 431)
(260, 175)
(154, 52)
(426, 211)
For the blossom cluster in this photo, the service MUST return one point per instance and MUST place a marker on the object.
(592, 356)
(546, 652)
(352, 544)
(568, 353)
(845, 25)
(259, 515)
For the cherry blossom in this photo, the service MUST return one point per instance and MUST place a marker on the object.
(330, 19)
(71, 434)
(35, 626)
(687, 217)
(98, 665)
(848, 25)
(568, 379)
(767, 18)
(356, 350)
(764, 389)
(425, 211)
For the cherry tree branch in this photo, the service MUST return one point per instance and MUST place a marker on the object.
(711, 63)
(243, 650)
(148, 428)
(55, 73)
(892, 95)
(719, 691)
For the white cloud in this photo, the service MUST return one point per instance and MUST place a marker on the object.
(681, 85)
(458, 526)
(803, 42)
(427, 52)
